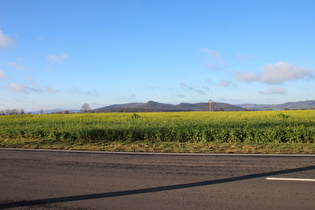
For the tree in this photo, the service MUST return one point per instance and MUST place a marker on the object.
(85, 108)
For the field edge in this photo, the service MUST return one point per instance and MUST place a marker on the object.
(174, 147)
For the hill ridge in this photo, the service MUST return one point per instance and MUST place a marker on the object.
(307, 104)
(153, 106)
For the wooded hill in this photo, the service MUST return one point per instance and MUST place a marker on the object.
(309, 104)
(152, 106)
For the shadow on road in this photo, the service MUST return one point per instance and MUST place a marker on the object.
(148, 190)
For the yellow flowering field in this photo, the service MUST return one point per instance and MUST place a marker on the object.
(154, 127)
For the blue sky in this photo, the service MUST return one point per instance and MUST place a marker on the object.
(61, 54)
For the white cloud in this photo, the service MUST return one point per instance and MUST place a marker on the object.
(190, 88)
(181, 96)
(5, 41)
(246, 77)
(222, 83)
(225, 83)
(276, 73)
(213, 54)
(214, 59)
(79, 91)
(52, 90)
(206, 88)
(2, 75)
(18, 88)
(23, 88)
(271, 91)
(281, 72)
(17, 66)
(30, 88)
(210, 81)
(57, 58)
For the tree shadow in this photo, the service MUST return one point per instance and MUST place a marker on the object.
(148, 190)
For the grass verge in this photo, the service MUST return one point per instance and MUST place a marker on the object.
(166, 147)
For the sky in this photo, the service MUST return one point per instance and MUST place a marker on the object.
(62, 54)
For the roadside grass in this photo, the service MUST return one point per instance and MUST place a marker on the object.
(165, 147)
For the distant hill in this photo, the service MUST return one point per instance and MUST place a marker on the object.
(152, 106)
(309, 104)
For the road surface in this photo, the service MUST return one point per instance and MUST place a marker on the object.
(42, 179)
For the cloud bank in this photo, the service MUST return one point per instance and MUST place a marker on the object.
(277, 73)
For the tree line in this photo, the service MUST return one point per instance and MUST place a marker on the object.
(85, 108)
(12, 112)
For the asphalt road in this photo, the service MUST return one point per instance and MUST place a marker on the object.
(31, 179)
